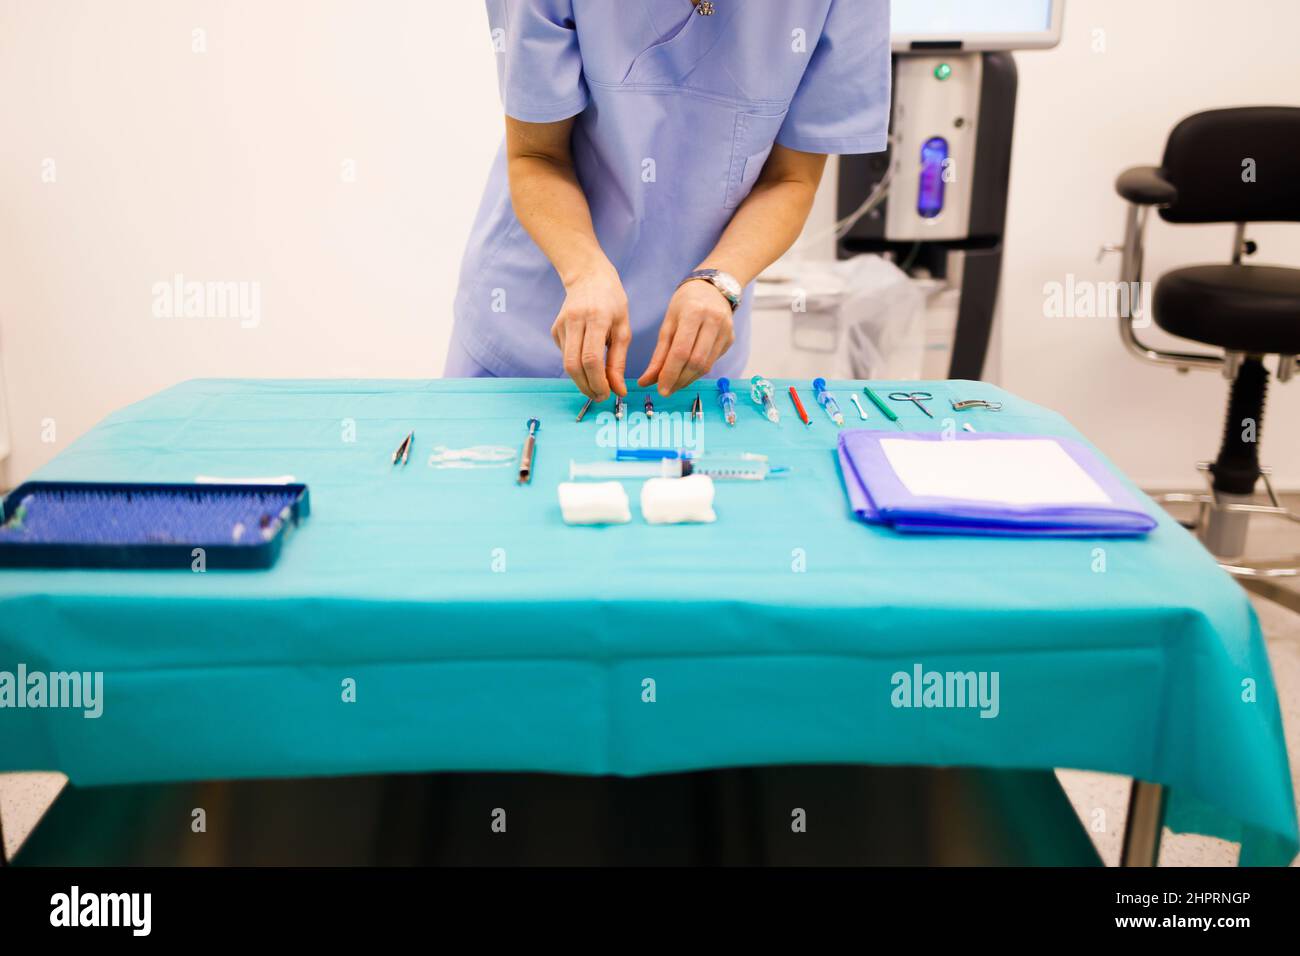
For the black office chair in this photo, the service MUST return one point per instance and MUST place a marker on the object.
(1225, 166)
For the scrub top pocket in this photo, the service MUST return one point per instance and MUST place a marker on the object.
(755, 134)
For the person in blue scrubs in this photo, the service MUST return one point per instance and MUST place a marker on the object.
(659, 154)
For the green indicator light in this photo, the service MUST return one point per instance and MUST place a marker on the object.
(942, 71)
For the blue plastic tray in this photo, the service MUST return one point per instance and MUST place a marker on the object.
(73, 524)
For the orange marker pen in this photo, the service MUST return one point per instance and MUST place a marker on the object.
(798, 406)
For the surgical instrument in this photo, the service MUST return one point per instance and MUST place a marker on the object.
(827, 401)
(697, 408)
(620, 408)
(530, 449)
(798, 406)
(862, 412)
(916, 398)
(976, 403)
(404, 449)
(968, 427)
(583, 414)
(880, 404)
(649, 408)
(727, 400)
(760, 391)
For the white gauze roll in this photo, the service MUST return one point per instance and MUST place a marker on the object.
(584, 502)
(678, 500)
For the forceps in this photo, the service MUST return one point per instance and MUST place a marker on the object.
(916, 398)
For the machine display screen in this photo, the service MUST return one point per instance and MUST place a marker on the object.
(977, 24)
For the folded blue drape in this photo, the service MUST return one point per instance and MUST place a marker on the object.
(878, 495)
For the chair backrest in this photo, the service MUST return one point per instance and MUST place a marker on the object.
(1235, 165)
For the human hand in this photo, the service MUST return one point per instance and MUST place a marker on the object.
(593, 320)
(697, 330)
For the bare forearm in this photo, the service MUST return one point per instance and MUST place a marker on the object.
(766, 225)
(551, 206)
(698, 327)
(592, 328)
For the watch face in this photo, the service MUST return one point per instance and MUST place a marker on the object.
(728, 284)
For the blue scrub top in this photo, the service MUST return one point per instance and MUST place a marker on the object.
(676, 115)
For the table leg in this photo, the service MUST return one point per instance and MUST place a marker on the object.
(4, 856)
(1146, 821)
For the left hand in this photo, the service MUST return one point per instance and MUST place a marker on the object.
(697, 331)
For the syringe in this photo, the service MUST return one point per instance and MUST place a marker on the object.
(827, 401)
(727, 399)
(741, 467)
(760, 390)
(630, 470)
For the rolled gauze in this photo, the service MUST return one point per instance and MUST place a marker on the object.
(584, 502)
(678, 500)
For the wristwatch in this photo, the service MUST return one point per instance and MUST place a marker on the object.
(724, 282)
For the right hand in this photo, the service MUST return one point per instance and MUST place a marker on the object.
(593, 332)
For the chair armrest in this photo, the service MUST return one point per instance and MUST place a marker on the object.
(1146, 186)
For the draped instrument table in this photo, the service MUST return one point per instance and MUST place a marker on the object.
(484, 634)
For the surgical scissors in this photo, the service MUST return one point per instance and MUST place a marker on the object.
(916, 398)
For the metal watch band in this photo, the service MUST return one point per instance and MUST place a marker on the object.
(718, 279)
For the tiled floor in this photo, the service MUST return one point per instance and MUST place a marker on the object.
(1101, 800)
(23, 798)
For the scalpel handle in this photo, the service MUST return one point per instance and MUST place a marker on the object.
(526, 462)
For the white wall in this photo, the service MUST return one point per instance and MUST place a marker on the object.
(226, 165)
(1083, 117)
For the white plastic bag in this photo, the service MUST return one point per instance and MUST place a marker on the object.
(856, 318)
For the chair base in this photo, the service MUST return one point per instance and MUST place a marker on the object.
(1222, 523)
(1225, 527)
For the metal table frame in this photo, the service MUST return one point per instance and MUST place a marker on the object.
(1144, 824)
